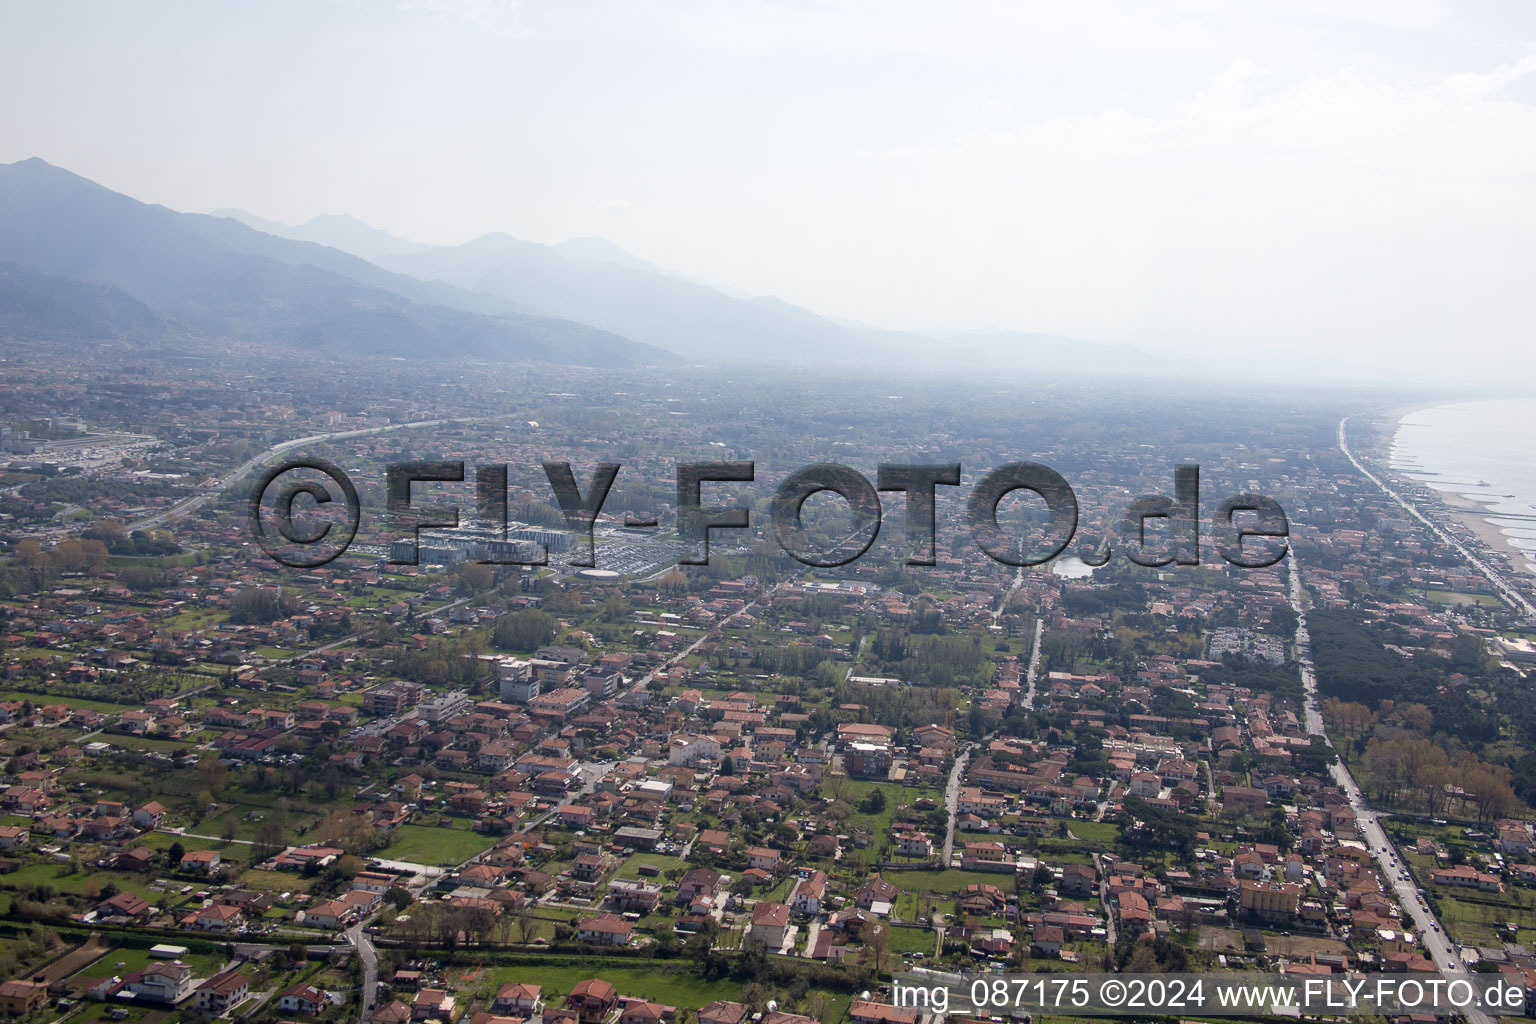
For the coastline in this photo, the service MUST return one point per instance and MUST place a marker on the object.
(1464, 510)
(1473, 515)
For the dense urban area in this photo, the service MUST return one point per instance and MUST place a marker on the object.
(646, 792)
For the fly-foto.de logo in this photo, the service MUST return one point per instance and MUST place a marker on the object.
(1248, 530)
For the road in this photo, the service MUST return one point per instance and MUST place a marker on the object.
(1033, 672)
(1489, 573)
(952, 802)
(1109, 912)
(952, 790)
(1392, 866)
(213, 491)
(358, 936)
(1002, 604)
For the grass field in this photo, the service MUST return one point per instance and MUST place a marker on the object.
(274, 881)
(123, 961)
(913, 940)
(62, 880)
(1455, 597)
(948, 881)
(631, 867)
(421, 844)
(1106, 832)
(39, 699)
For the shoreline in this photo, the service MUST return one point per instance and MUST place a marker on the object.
(1466, 511)
(1473, 515)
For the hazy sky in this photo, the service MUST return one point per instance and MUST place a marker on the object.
(1323, 177)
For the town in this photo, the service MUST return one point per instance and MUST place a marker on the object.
(652, 792)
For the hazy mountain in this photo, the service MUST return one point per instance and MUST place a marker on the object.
(692, 319)
(225, 280)
(592, 249)
(36, 306)
(593, 280)
(336, 230)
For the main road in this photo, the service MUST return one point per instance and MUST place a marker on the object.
(1493, 576)
(212, 491)
(1393, 868)
(952, 790)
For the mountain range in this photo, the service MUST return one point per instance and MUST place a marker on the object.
(80, 261)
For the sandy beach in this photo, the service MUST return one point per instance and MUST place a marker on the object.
(1465, 510)
(1472, 514)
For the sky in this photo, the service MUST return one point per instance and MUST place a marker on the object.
(1340, 183)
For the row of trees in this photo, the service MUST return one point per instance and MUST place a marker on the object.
(1415, 771)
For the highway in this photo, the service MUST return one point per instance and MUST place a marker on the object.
(1393, 867)
(212, 491)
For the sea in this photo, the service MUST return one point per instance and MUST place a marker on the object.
(1483, 450)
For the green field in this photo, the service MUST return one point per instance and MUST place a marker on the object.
(1106, 832)
(122, 961)
(40, 699)
(61, 879)
(951, 880)
(631, 867)
(422, 844)
(913, 940)
(1455, 597)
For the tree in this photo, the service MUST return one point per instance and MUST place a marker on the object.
(270, 840)
(877, 945)
(524, 630)
(34, 559)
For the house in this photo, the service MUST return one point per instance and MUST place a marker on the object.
(14, 837)
(981, 898)
(302, 998)
(865, 1012)
(140, 858)
(770, 925)
(722, 1011)
(1046, 940)
(877, 896)
(222, 992)
(331, 914)
(592, 999)
(517, 1000)
(19, 998)
(697, 883)
(764, 859)
(217, 918)
(1467, 877)
(433, 1004)
(125, 904)
(604, 930)
(912, 843)
(168, 982)
(810, 894)
(201, 862)
(395, 1012)
(644, 1012)
(151, 815)
(1077, 880)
